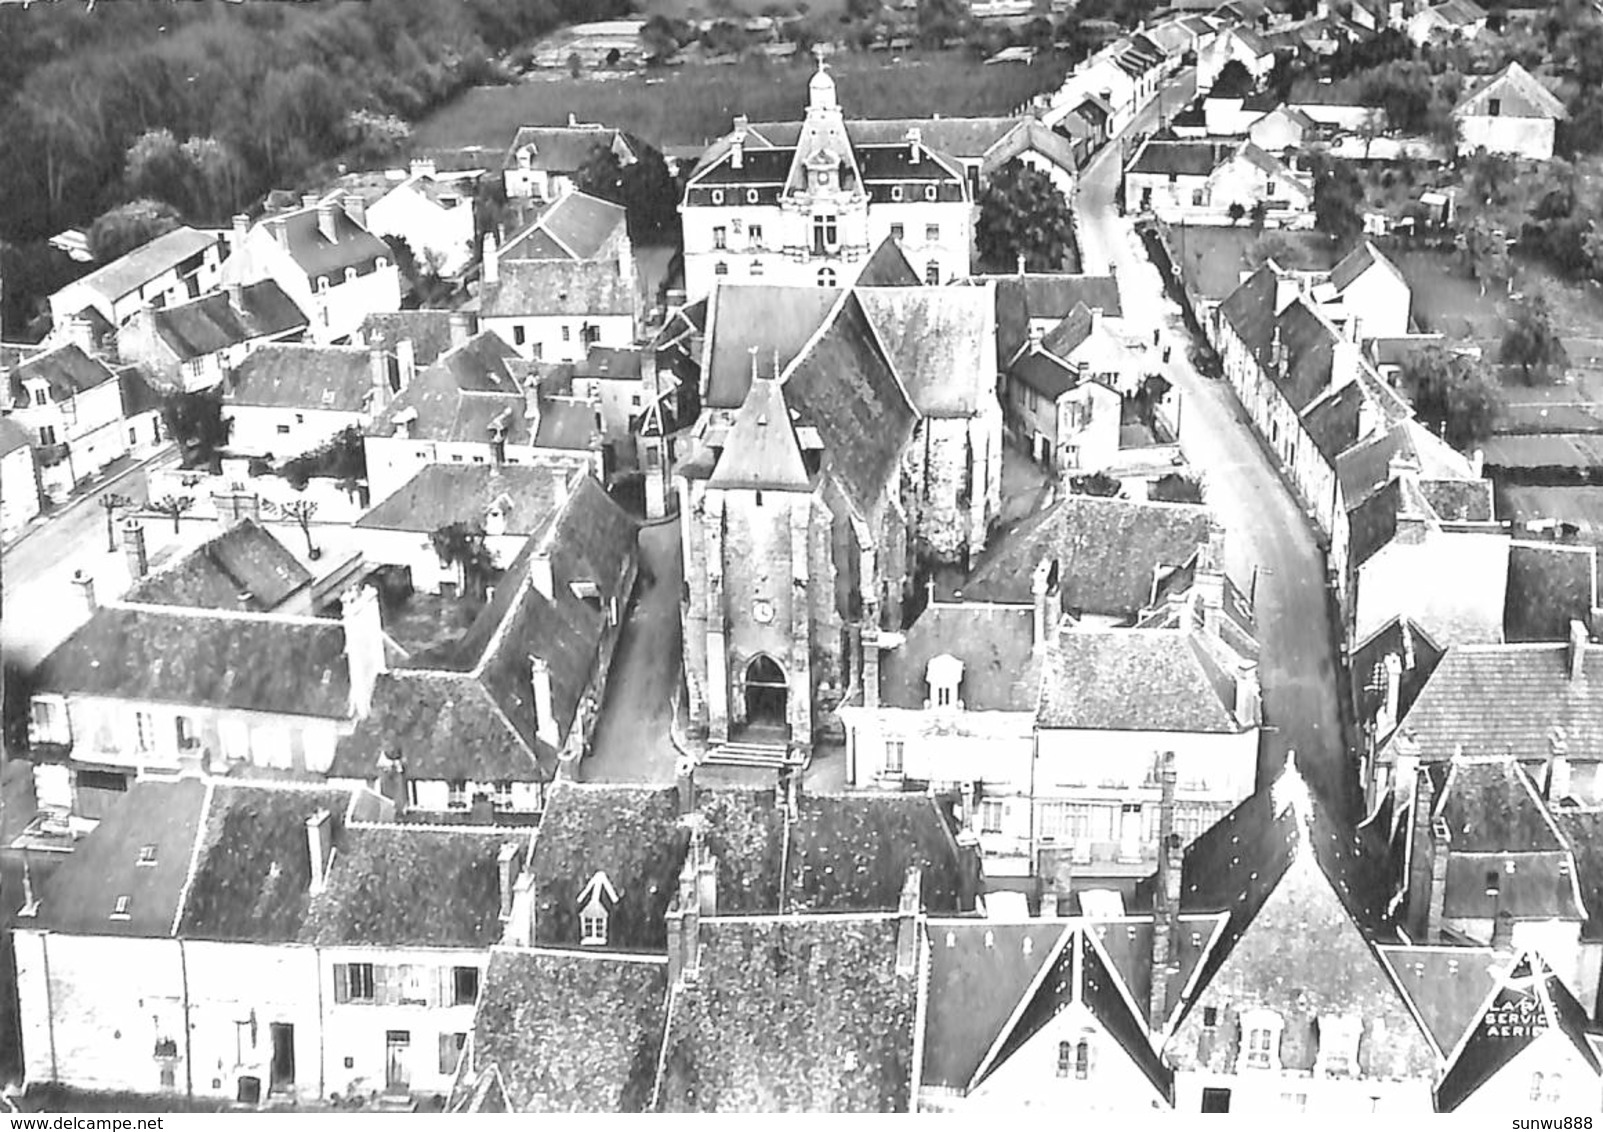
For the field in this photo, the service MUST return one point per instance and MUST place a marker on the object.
(691, 105)
(693, 9)
(1214, 258)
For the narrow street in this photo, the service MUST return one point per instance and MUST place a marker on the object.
(1267, 530)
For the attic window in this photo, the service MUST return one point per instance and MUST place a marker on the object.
(593, 926)
(929, 192)
(457, 794)
(717, 196)
(896, 192)
(751, 196)
(147, 855)
(350, 275)
(586, 591)
(119, 910)
(1210, 1016)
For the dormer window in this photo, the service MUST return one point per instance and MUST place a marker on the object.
(147, 856)
(593, 925)
(896, 192)
(456, 796)
(751, 196)
(1260, 1039)
(322, 283)
(119, 910)
(944, 673)
(717, 196)
(1338, 1045)
(350, 275)
(380, 263)
(930, 192)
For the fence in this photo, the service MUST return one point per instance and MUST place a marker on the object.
(231, 497)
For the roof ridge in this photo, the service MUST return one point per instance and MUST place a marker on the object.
(182, 904)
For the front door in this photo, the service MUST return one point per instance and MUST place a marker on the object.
(397, 1077)
(283, 1068)
(766, 693)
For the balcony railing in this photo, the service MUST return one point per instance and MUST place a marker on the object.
(848, 253)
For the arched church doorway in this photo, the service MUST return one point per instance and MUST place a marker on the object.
(766, 692)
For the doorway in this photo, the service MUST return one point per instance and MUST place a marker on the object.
(283, 1067)
(1216, 1100)
(397, 1077)
(766, 692)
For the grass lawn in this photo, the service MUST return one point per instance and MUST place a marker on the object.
(695, 9)
(1215, 258)
(691, 105)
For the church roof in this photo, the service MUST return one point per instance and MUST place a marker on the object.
(762, 451)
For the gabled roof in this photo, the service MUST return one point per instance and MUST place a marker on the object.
(564, 149)
(577, 227)
(126, 275)
(761, 450)
(1366, 468)
(527, 497)
(555, 287)
(83, 893)
(243, 568)
(1001, 666)
(300, 233)
(1528, 1001)
(469, 389)
(888, 267)
(1583, 832)
(1417, 653)
(777, 321)
(1549, 585)
(428, 331)
(1180, 158)
(939, 343)
(1490, 805)
(411, 886)
(212, 322)
(1358, 261)
(1445, 986)
(13, 436)
(1135, 680)
(67, 370)
(325, 378)
(1044, 372)
(1521, 95)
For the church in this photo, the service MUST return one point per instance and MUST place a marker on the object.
(808, 203)
(850, 441)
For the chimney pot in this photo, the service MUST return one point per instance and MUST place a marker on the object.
(319, 842)
(86, 587)
(506, 863)
(461, 328)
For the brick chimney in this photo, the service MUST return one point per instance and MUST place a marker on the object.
(80, 332)
(379, 371)
(326, 221)
(241, 232)
(490, 270)
(356, 208)
(520, 915)
(1503, 932)
(871, 659)
(685, 780)
(915, 144)
(319, 845)
(684, 930)
(1435, 909)
(545, 718)
(364, 645)
(1577, 652)
(907, 921)
(86, 588)
(236, 295)
(1386, 714)
(1166, 902)
(308, 200)
(133, 546)
(1556, 784)
(461, 328)
(1048, 603)
(1421, 850)
(506, 865)
(405, 362)
(1054, 865)
(422, 167)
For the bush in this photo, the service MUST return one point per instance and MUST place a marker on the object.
(1097, 483)
(1176, 487)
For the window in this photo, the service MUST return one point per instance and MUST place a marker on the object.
(991, 810)
(40, 397)
(353, 982)
(944, 695)
(350, 275)
(501, 797)
(593, 926)
(133, 436)
(283, 430)
(119, 910)
(717, 196)
(826, 277)
(759, 498)
(756, 268)
(1555, 1087)
(300, 418)
(1536, 1086)
(1197, 196)
(930, 192)
(539, 350)
(719, 268)
(1296, 1102)
(932, 274)
(751, 196)
(754, 233)
(1494, 106)
(244, 1041)
(896, 192)
(457, 794)
(1258, 1048)
(932, 233)
(1064, 821)
(897, 232)
(47, 434)
(567, 333)
(1065, 1058)
(322, 282)
(519, 335)
(451, 1052)
(1082, 1060)
(380, 263)
(464, 986)
(144, 730)
(895, 753)
(826, 236)
(720, 237)
(147, 856)
(1210, 1016)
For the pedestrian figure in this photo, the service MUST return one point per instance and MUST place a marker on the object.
(1166, 351)
(1155, 334)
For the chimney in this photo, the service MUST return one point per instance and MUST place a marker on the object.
(545, 719)
(236, 295)
(1054, 864)
(1096, 319)
(1436, 906)
(378, 363)
(1286, 289)
(319, 845)
(80, 332)
(133, 545)
(461, 328)
(1386, 715)
(1369, 418)
(685, 780)
(1421, 849)
(907, 921)
(364, 645)
(1020, 262)
(1477, 463)
(1557, 785)
(1503, 932)
(737, 144)
(308, 200)
(325, 221)
(86, 586)
(1036, 335)
(1044, 588)
(1344, 363)
(1577, 652)
(405, 362)
(706, 880)
(520, 915)
(684, 930)
(490, 269)
(241, 232)
(356, 208)
(506, 864)
(915, 144)
(1166, 903)
(422, 167)
(1277, 353)
(531, 414)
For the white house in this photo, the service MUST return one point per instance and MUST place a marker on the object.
(1064, 392)
(577, 226)
(180, 265)
(1198, 181)
(286, 400)
(19, 477)
(555, 310)
(1372, 299)
(1450, 19)
(324, 258)
(1510, 112)
(72, 403)
(543, 161)
(1241, 44)
(433, 212)
(190, 346)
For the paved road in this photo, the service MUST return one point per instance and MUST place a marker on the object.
(1268, 531)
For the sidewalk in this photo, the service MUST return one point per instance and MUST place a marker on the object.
(109, 476)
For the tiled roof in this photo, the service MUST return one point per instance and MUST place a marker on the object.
(1110, 552)
(464, 393)
(939, 340)
(570, 1032)
(1001, 668)
(1521, 94)
(1135, 680)
(776, 320)
(314, 253)
(562, 149)
(428, 331)
(1459, 501)
(67, 370)
(1332, 421)
(577, 227)
(212, 322)
(1358, 261)
(526, 495)
(252, 870)
(410, 886)
(851, 853)
(82, 894)
(244, 661)
(1044, 372)
(1445, 986)
(1549, 585)
(1180, 158)
(575, 288)
(1491, 806)
(123, 276)
(332, 378)
(761, 449)
(243, 568)
(1366, 468)
(1309, 343)
(799, 1015)
(888, 267)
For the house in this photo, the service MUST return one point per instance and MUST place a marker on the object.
(1240, 44)
(619, 383)
(483, 720)
(1030, 302)
(323, 257)
(476, 404)
(1451, 19)
(19, 477)
(243, 569)
(1510, 112)
(1549, 586)
(578, 227)
(190, 346)
(1283, 128)
(555, 310)
(180, 265)
(1199, 181)
(1103, 81)
(1372, 299)
(543, 162)
(432, 210)
(72, 404)
(141, 689)
(286, 400)
(1377, 15)
(427, 334)
(1065, 392)
(1336, 105)
(809, 210)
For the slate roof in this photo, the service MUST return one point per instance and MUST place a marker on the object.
(1445, 987)
(81, 895)
(1044, 372)
(1135, 680)
(851, 853)
(546, 287)
(528, 495)
(1070, 334)
(1180, 158)
(571, 1032)
(1366, 468)
(66, 370)
(761, 450)
(1549, 585)
(1418, 653)
(1357, 262)
(138, 395)
(576, 227)
(1583, 831)
(938, 340)
(252, 868)
(775, 320)
(428, 331)
(782, 1007)
(1001, 668)
(1522, 96)
(1491, 806)
(888, 267)
(277, 375)
(123, 276)
(244, 568)
(317, 255)
(562, 149)
(212, 322)
(1332, 422)
(251, 662)
(13, 436)
(1309, 343)
(410, 886)
(1110, 553)
(463, 393)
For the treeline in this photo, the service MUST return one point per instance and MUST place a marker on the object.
(264, 90)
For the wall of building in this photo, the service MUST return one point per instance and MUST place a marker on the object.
(393, 460)
(1549, 1077)
(168, 288)
(236, 993)
(560, 338)
(1266, 1092)
(1518, 137)
(284, 432)
(19, 490)
(1031, 1077)
(1380, 301)
(415, 550)
(435, 796)
(341, 309)
(432, 230)
(91, 432)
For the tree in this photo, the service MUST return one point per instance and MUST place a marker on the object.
(302, 510)
(1338, 201)
(157, 168)
(1097, 483)
(1487, 252)
(601, 175)
(196, 422)
(1455, 394)
(129, 226)
(374, 138)
(1238, 213)
(111, 503)
(1023, 213)
(173, 506)
(1532, 342)
(575, 65)
(940, 20)
(661, 38)
(1176, 487)
(1259, 215)
(651, 196)
(462, 545)
(1233, 81)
